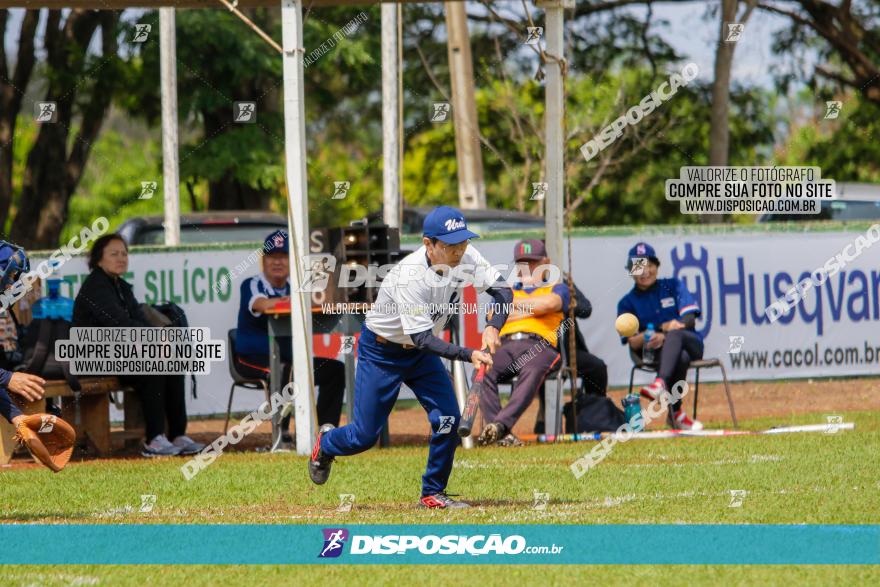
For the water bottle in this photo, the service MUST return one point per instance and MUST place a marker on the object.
(54, 306)
(648, 354)
(632, 412)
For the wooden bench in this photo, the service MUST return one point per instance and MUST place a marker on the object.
(94, 410)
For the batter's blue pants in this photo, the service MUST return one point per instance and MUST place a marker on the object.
(381, 369)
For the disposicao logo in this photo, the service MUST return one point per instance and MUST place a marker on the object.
(405, 544)
(334, 540)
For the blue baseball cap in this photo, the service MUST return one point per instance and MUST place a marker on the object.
(448, 225)
(13, 262)
(277, 242)
(641, 249)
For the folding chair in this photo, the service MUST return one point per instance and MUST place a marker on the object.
(638, 364)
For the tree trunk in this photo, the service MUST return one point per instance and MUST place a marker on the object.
(12, 90)
(51, 176)
(719, 130)
(468, 154)
(231, 194)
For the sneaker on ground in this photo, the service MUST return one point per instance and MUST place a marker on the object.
(187, 445)
(441, 501)
(492, 433)
(319, 463)
(511, 440)
(653, 391)
(681, 421)
(160, 447)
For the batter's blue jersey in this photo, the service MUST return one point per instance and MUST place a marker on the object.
(668, 299)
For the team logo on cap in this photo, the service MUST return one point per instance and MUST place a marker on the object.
(278, 240)
(455, 224)
(640, 249)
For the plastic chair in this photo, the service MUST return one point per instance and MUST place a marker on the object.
(239, 380)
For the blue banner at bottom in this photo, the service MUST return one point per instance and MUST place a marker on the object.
(443, 544)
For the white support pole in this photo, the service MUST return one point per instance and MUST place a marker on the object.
(554, 141)
(554, 202)
(390, 146)
(297, 220)
(168, 82)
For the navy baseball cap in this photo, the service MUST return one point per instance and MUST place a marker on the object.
(276, 243)
(529, 250)
(448, 225)
(641, 249)
(13, 262)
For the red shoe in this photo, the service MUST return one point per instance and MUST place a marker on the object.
(681, 421)
(441, 501)
(653, 391)
(319, 463)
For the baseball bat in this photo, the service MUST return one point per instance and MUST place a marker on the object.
(472, 404)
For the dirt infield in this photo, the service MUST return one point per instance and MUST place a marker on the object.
(752, 400)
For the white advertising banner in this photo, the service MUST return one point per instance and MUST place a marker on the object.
(734, 276)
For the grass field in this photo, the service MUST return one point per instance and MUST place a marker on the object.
(793, 478)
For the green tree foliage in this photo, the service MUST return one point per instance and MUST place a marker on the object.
(846, 148)
(631, 186)
(221, 61)
(111, 186)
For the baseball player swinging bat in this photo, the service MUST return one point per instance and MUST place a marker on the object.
(401, 343)
(472, 404)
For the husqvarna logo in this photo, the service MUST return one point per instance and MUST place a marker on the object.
(694, 271)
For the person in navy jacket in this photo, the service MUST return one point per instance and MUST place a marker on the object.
(669, 306)
(260, 293)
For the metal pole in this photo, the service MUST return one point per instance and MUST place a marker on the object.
(471, 189)
(554, 204)
(390, 148)
(297, 220)
(554, 96)
(460, 384)
(168, 80)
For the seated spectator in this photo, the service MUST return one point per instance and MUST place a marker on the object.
(591, 369)
(670, 307)
(260, 293)
(106, 299)
(528, 345)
